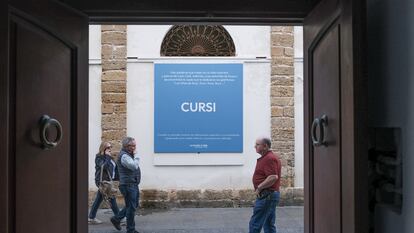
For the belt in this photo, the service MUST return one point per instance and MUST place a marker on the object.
(264, 193)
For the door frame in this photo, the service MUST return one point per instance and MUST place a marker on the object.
(4, 118)
(78, 44)
(353, 114)
(353, 106)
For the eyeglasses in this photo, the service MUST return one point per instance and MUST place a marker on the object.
(109, 147)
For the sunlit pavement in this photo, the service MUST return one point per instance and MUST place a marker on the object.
(201, 220)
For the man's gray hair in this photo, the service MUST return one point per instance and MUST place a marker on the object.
(126, 141)
(267, 141)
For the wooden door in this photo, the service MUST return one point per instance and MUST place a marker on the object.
(46, 157)
(335, 183)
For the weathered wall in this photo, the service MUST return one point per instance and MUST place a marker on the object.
(113, 86)
(282, 100)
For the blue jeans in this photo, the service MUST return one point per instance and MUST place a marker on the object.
(97, 203)
(264, 214)
(131, 197)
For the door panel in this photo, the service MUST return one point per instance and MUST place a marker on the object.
(326, 158)
(47, 76)
(335, 183)
(43, 86)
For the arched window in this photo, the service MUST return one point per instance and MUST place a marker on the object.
(198, 40)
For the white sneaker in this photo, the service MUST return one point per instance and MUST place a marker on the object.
(123, 222)
(94, 221)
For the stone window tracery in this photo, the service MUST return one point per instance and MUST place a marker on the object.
(198, 40)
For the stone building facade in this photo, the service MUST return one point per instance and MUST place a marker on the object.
(113, 86)
(282, 107)
(114, 121)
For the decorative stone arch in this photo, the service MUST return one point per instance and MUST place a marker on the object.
(198, 40)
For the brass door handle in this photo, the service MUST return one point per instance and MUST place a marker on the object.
(45, 123)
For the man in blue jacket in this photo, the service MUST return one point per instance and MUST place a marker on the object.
(129, 179)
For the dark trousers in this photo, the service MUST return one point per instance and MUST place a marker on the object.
(131, 197)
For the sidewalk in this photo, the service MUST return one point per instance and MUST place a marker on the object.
(202, 220)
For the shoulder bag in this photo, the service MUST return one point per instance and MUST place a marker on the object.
(107, 188)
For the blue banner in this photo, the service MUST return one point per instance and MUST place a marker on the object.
(198, 108)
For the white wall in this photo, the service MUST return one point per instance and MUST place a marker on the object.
(208, 170)
(95, 71)
(391, 102)
(298, 85)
